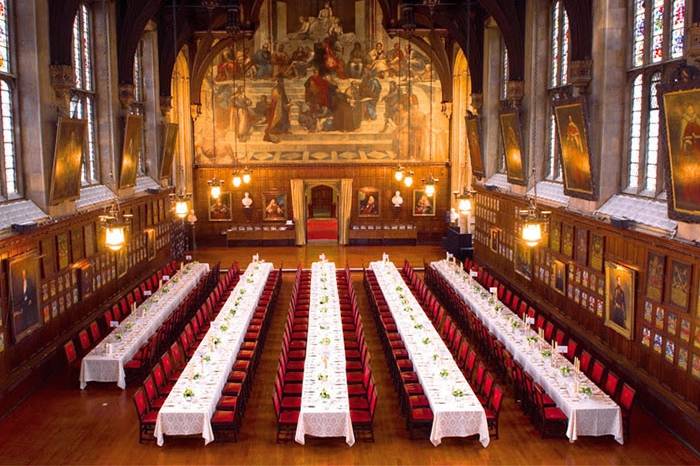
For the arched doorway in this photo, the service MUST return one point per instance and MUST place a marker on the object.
(321, 199)
(322, 202)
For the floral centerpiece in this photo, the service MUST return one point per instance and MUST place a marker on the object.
(249, 280)
(323, 377)
(565, 371)
(196, 376)
(444, 373)
(128, 326)
(585, 390)
(118, 336)
(531, 340)
(418, 326)
(224, 328)
(457, 393)
(436, 357)
(325, 395)
(426, 340)
(325, 341)
(206, 358)
(215, 341)
(323, 300)
(546, 353)
(188, 394)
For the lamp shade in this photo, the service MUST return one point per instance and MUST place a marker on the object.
(408, 180)
(465, 205)
(215, 191)
(246, 178)
(398, 175)
(532, 233)
(181, 209)
(430, 189)
(115, 237)
(236, 180)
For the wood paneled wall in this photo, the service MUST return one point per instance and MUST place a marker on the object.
(67, 301)
(668, 383)
(277, 177)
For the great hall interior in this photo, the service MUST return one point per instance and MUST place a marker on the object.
(350, 232)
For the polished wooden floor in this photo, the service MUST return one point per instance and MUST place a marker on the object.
(59, 424)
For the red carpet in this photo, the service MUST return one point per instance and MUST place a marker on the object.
(322, 229)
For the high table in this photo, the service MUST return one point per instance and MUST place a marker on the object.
(191, 403)
(105, 363)
(325, 405)
(457, 411)
(592, 415)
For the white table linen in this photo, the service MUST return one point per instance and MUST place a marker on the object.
(105, 363)
(457, 411)
(593, 415)
(325, 404)
(207, 371)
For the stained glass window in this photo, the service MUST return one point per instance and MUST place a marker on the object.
(658, 36)
(139, 105)
(558, 70)
(8, 156)
(83, 98)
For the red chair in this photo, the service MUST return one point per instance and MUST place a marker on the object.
(585, 362)
(548, 331)
(71, 355)
(225, 422)
(286, 420)
(155, 401)
(551, 418)
(572, 346)
(84, 340)
(95, 332)
(611, 383)
(147, 417)
(493, 410)
(108, 319)
(560, 337)
(626, 401)
(362, 420)
(117, 313)
(597, 372)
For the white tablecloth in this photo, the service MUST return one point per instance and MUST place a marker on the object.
(207, 371)
(456, 409)
(595, 415)
(325, 406)
(103, 365)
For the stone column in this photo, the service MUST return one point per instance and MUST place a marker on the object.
(39, 99)
(109, 113)
(491, 94)
(608, 96)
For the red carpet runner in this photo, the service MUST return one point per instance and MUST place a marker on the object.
(325, 229)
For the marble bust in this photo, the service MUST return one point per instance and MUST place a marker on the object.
(397, 200)
(246, 201)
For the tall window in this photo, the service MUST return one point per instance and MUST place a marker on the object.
(558, 71)
(8, 150)
(658, 37)
(139, 105)
(83, 99)
(501, 165)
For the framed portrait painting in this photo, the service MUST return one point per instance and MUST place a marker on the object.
(656, 265)
(575, 154)
(423, 205)
(595, 259)
(493, 239)
(274, 207)
(619, 298)
(168, 149)
(63, 247)
(554, 236)
(132, 150)
(368, 202)
(67, 160)
(523, 260)
(151, 243)
(559, 276)
(581, 239)
(567, 240)
(679, 284)
(512, 146)
(220, 208)
(473, 128)
(680, 106)
(24, 295)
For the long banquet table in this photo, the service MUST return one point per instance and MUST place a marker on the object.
(325, 405)
(593, 415)
(457, 411)
(105, 363)
(207, 371)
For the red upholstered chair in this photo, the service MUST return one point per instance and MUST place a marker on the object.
(107, 318)
(585, 362)
(485, 392)
(597, 372)
(552, 419)
(162, 384)
(522, 309)
(419, 419)
(572, 346)
(117, 313)
(95, 332)
(225, 422)
(147, 417)
(611, 383)
(548, 331)
(560, 337)
(362, 420)
(626, 401)
(493, 410)
(171, 374)
(540, 322)
(155, 401)
(71, 354)
(469, 367)
(84, 340)
(515, 303)
(286, 420)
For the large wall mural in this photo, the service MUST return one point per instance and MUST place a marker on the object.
(321, 82)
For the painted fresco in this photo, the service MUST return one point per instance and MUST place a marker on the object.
(320, 82)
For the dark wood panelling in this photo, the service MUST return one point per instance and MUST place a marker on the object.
(278, 178)
(672, 392)
(66, 305)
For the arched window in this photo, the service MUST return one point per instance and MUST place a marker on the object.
(10, 188)
(658, 37)
(83, 98)
(558, 74)
(139, 105)
(504, 70)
